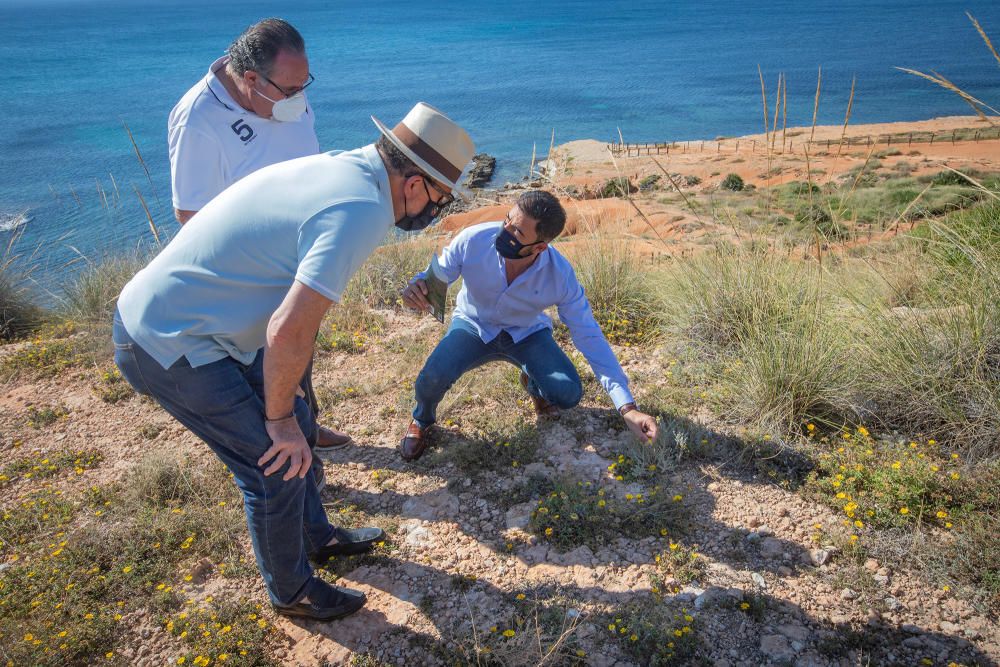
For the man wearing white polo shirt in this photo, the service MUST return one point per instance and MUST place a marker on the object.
(249, 111)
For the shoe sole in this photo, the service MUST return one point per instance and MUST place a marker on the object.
(340, 613)
(410, 458)
(350, 549)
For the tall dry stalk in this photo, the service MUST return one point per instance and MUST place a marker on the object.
(152, 225)
(977, 105)
(819, 80)
(767, 136)
(142, 162)
(777, 109)
(784, 112)
(847, 116)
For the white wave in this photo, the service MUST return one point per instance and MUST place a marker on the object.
(11, 221)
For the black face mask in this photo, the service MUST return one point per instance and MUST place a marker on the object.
(509, 247)
(414, 223)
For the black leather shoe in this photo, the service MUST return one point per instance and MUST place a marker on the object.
(415, 441)
(349, 542)
(325, 602)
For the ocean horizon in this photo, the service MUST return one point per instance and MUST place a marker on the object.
(80, 72)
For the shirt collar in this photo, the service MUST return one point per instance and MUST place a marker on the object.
(381, 174)
(219, 90)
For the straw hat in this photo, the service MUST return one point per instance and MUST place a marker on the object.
(435, 143)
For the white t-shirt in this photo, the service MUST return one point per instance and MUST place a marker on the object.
(211, 292)
(214, 142)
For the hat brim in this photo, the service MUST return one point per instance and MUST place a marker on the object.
(417, 160)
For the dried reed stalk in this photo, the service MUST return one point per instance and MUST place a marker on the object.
(142, 162)
(152, 225)
(819, 79)
(847, 116)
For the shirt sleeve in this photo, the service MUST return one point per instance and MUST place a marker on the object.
(451, 259)
(576, 314)
(334, 243)
(197, 168)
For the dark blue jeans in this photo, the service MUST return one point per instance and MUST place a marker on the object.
(551, 374)
(223, 404)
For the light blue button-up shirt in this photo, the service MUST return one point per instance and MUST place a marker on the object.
(491, 305)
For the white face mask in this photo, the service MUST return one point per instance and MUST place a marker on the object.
(287, 110)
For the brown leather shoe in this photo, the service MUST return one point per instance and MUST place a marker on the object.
(543, 409)
(414, 441)
(329, 439)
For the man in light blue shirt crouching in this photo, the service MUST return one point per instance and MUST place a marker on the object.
(511, 275)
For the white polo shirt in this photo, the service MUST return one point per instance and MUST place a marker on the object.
(214, 142)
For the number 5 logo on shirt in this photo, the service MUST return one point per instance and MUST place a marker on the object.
(242, 130)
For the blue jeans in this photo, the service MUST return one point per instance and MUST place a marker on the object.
(223, 404)
(551, 374)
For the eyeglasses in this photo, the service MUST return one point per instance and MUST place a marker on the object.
(444, 200)
(294, 91)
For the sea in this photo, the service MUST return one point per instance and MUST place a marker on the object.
(86, 86)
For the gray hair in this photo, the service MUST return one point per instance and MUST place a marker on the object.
(256, 49)
(395, 160)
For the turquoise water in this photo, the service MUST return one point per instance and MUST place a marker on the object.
(511, 73)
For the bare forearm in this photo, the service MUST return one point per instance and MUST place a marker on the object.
(286, 357)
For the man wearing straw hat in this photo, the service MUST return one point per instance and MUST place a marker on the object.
(220, 327)
(249, 111)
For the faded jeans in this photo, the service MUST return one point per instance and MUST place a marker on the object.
(223, 404)
(551, 374)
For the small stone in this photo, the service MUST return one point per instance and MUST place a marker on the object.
(881, 580)
(848, 594)
(759, 580)
(893, 604)
(772, 548)
(912, 642)
(871, 565)
(785, 571)
(910, 628)
(777, 649)
(819, 557)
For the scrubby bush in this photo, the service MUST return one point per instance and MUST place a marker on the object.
(650, 182)
(732, 182)
(621, 294)
(18, 312)
(619, 186)
(380, 279)
(90, 296)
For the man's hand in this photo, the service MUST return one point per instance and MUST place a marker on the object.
(288, 444)
(415, 296)
(643, 426)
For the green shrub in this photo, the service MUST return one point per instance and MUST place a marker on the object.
(619, 186)
(716, 299)
(650, 182)
(386, 272)
(19, 314)
(90, 297)
(732, 182)
(620, 291)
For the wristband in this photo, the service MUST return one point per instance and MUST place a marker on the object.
(279, 419)
(625, 409)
